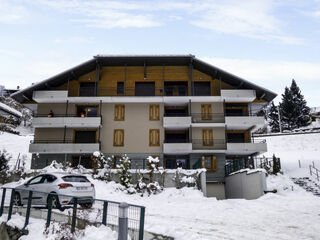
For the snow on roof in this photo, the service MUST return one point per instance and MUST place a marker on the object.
(315, 109)
(10, 110)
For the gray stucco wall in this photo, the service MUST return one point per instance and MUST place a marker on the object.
(243, 185)
(216, 190)
(217, 176)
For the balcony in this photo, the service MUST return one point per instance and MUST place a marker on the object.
(244, 122)
(238, 95)
(209, 145)
(208, 118)
(50, 96)
(53, 146)
(70, 121)
(244, 148)
(177, 148)
(176, 121)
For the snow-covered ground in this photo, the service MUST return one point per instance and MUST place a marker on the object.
(292, 213)
(36, 229)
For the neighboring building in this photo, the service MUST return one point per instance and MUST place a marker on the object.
(7, 92)
(7, 112)
(188, 112)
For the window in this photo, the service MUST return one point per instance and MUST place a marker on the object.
(75, 179)
(120, 88)
(35, 180)
(154, 137)
(119, 111)
(87, 111)
(87, 89)
(144, 89)
(209, 162)
(202, 89)
(207, 137)
(154, 112)
(118, 138)
(49, 179)
(206, 112)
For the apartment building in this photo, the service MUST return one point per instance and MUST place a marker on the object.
(185, 111)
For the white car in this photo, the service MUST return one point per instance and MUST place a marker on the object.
(74, 185)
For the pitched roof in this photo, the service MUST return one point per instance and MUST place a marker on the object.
(141, 60)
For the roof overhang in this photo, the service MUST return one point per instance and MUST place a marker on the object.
(142, 60)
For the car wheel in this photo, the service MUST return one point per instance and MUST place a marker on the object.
(17, 199)
(55, 202)
(86, 205)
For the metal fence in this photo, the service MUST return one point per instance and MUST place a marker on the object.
(121, 217)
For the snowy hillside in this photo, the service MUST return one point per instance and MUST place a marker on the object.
(292, 148)
(15, 145)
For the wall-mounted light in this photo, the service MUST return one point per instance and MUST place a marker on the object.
(89, 78)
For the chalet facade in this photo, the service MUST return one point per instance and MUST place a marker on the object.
(187, 112)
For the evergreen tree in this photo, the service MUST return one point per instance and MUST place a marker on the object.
(293, 108)
(302, 110)
(276, 165)
(274, 118)
(4, 167)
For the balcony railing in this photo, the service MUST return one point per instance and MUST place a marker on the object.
(64, 115)
(209, 144)
(132, 91)
(83, 141)
(208, 118)
(234, 140)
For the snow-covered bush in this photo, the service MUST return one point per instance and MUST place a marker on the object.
(152, 187)
(101, 166)
(123, 171)
(4, 167)
(21, 170)
(184, 179)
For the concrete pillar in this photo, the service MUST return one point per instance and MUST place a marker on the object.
(123, 221)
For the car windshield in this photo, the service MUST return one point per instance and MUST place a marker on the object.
(75, 179)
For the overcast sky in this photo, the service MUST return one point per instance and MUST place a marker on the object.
(264, 41)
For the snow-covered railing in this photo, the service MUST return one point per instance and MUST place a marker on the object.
(314, 171)
(127, 219)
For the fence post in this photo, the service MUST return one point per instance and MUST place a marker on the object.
(317, 174)
(11, 204)
(49, 210)
(28, 209)
(74, 215)
(299, 163)
(104, 213)
(310, 170)
(2, 200)
(141, 227)
(123, 221)
(313, 164)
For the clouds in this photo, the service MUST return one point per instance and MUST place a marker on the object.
(11, 12)
(245, 18)
(275, 75)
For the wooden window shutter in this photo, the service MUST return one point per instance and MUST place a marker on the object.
(154, 137)
(214, 163)
(207, 137)
(119, 112)
(154, 112)
(209, 162)
(118, 138)
(206, 112)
